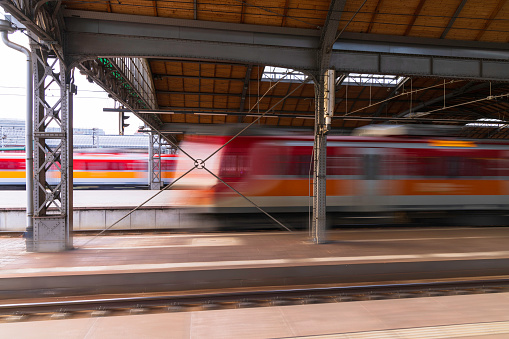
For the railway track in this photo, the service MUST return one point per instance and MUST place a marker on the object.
(98, 307)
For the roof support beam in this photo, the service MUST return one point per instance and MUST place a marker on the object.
(247, 78)
(492, 16)
(414, 17)
(242, 11)
(172, 126)
(162, 76)
(90, 36)
(373, 16)
(338, 100)
(453, 19)
(329, 32)
(369, 53)
(154, 4)
(285, 12)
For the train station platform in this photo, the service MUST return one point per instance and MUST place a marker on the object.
(99, 209)
(173, 262)
(143, 263)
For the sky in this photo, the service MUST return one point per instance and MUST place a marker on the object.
(88, 103)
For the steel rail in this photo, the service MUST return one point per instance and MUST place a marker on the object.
(267, 297)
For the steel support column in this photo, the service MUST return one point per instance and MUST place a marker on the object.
(155, 180)
(319, 222)
(52, 154)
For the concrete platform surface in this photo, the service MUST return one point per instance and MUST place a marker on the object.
(468, 316)
(171, 262)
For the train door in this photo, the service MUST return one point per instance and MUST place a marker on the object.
(371, 192)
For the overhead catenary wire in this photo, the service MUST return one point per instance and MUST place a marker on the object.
(196, 165)
(252, 202)
(401, 94)
(258, 118)
(137, 207)
(490, 97)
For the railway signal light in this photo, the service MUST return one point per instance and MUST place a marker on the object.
(123, 117)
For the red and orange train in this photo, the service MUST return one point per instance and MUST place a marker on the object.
(387, 177)
(104, 169)
(391, 177)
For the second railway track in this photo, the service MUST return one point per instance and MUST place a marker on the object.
(212, 300)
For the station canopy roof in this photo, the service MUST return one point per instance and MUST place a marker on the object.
(212, 91)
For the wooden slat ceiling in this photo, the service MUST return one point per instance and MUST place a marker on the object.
(213, 87)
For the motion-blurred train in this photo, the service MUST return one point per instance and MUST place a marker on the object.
(95, 169)
(392, 178)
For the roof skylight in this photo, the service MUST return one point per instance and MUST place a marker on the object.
(491, 123)
(271, 73)
(381, 80)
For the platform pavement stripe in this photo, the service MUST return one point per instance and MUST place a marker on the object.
(431, 332)
(239, 263)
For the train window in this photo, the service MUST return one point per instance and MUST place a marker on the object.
(299, 165)
(371, 166)
(95, 166)
(471, 167)
(496, 167)
(12, 164)
(168, 165)
(342, 165)
(112, 166)
(136, 166)
(234, 165)
(426, 166)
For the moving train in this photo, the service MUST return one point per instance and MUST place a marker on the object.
(379, 178)
(95, 169)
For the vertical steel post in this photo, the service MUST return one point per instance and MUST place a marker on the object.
(52, 154)
(155, 163)
(319, 222)
(324, 110)
(70, 90)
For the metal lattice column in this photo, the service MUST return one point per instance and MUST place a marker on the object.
(52, 155)
(154, 169)
(319, 221)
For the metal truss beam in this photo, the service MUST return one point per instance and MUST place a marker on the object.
(223, 112)
(131, 89)
(23, 12)
(369, 53)
(90, 34)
